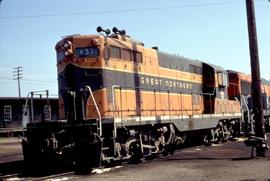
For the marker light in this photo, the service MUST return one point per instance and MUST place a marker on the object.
(95, 42)
(67, 44)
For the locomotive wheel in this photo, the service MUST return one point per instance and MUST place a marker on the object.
(225, 132)
(229, 133)
(135, 152)
(170, 143)
(208, 139)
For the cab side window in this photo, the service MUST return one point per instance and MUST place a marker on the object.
(115, 52)
(125, 54)
(137, 57)
(222, 79)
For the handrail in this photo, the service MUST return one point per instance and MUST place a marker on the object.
(99, 124)
(246, 106)
(32, 93)
(25, 105)
(113, 103)
(113, 96)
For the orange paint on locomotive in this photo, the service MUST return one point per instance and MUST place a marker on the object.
(152, 102)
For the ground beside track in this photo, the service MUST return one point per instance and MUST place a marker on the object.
(10, 156)
(10, 150)
(229, 161)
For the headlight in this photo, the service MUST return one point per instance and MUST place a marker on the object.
(68, 52)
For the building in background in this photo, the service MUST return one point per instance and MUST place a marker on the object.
(15, 113)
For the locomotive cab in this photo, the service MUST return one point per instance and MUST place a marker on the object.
(215, 91)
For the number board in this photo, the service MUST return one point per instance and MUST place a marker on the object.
(87, 52)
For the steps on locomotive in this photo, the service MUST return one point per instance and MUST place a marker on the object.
(108, 151)
(108, 145)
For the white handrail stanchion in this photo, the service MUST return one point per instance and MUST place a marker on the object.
(99, 124)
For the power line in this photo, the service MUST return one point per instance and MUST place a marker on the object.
(38, 83)
(5, 78)
(30, 80)
(125, 10)
(29, 68)
(43, 80)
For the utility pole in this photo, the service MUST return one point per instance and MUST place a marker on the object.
(256, 91)
(17, 75)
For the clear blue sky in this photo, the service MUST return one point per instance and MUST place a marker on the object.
(213, 31)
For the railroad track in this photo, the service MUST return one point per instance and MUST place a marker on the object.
(19, 176)
(7, 177)
(65, 175)
(62, 176)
